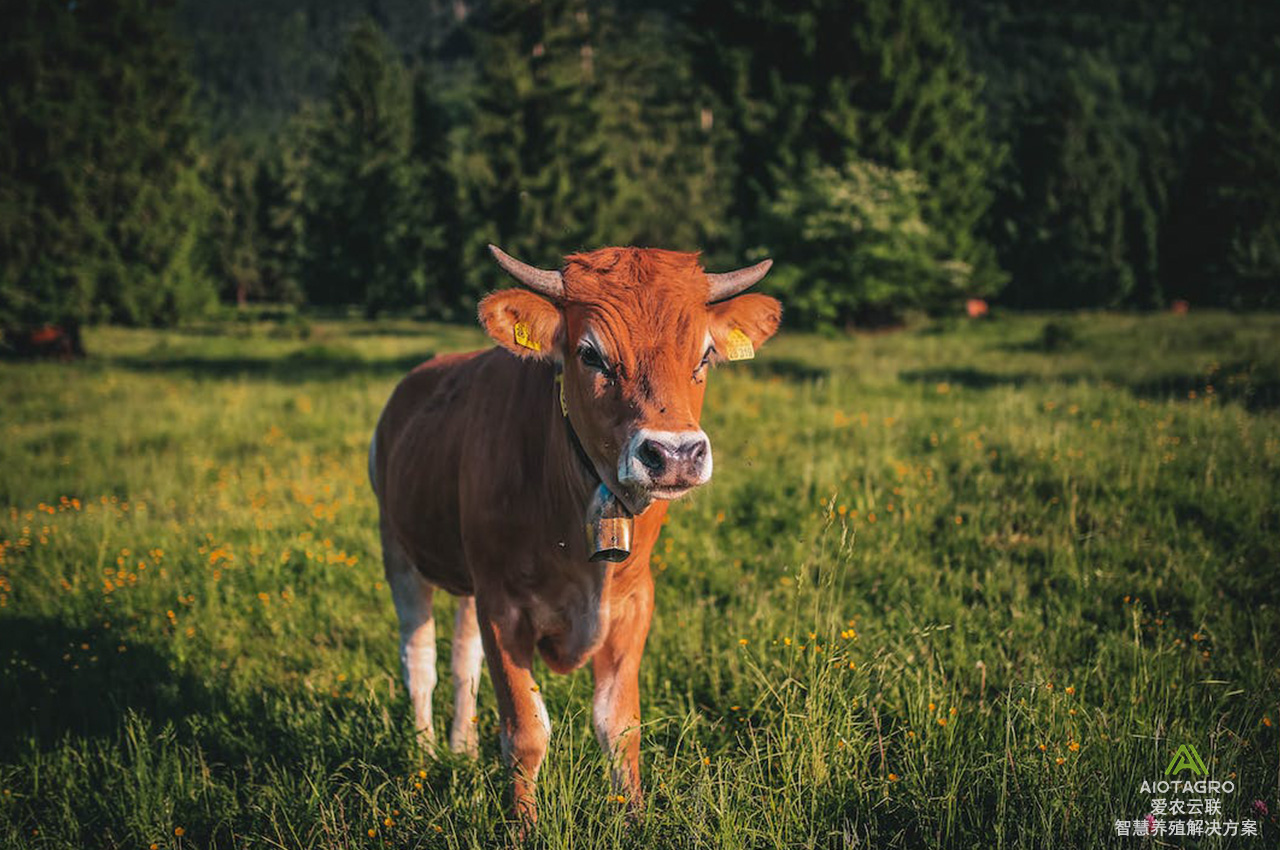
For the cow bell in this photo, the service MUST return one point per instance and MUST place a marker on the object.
(608, 527)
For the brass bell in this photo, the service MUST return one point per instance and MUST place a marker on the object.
(608, 527)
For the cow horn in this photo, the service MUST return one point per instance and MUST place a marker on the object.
(731, 283)
(549, 283)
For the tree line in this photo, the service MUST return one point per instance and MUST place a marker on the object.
(891, 154)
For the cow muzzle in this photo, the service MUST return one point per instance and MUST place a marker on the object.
(665, 464)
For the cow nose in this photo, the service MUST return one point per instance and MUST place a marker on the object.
(658, 456)
(665, 460)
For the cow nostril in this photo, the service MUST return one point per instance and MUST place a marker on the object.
(698, 451)
(652, 455)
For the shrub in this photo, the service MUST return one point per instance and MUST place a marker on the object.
(855, 248)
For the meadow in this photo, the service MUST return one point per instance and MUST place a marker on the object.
(965, 585)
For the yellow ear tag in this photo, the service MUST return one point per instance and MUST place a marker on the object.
(524, 340)
(564, 406)
(739, 346)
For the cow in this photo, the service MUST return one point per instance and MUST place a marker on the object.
(485, 463)
(61, 342)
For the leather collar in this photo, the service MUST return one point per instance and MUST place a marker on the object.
(568, 425)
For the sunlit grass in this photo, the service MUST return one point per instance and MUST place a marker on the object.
(953, 586)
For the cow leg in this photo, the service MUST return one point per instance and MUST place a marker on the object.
(616, 710)
(468, 655)
(525, 726)
(412, 595)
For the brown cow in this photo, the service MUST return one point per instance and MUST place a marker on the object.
(484, 464)
(62, 342)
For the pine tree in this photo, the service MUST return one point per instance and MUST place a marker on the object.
(278, 201)
(438, 202)
(101, 204)
(531, 171)
(366, 233)
(827, 82)
(1246, 203)
(668, 160)
(1220, 243)
(589, 128)
(232, 237)
(1105, 111)
(1085, 220)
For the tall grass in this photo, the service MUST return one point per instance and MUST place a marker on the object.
(960, 586)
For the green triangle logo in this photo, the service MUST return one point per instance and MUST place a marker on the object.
(1186, 758)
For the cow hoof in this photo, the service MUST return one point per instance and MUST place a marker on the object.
(427, 744)
(469, 748)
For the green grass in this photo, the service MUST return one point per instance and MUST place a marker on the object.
(1065, 544)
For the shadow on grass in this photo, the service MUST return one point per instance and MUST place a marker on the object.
(1240, 384)
(399, 331)
(314, 363)
(64, 680)
(1255, 392)
(72, 683)
(788, 369)
(974, 379)
(128, 722)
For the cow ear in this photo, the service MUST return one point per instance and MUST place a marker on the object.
(525, 324)
(753, 315)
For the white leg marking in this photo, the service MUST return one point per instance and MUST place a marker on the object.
(412, 594)
(468, 655)
(610, 726)
(602, 714)
(543, 717)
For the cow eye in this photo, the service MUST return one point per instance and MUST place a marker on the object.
(592, 359)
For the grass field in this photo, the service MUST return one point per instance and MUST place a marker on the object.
(958, 586)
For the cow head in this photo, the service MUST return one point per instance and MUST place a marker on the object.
(635, 330)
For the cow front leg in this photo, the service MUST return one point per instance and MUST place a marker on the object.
(412, 595)
(525, 726)
(468, 655)
(616, 710)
